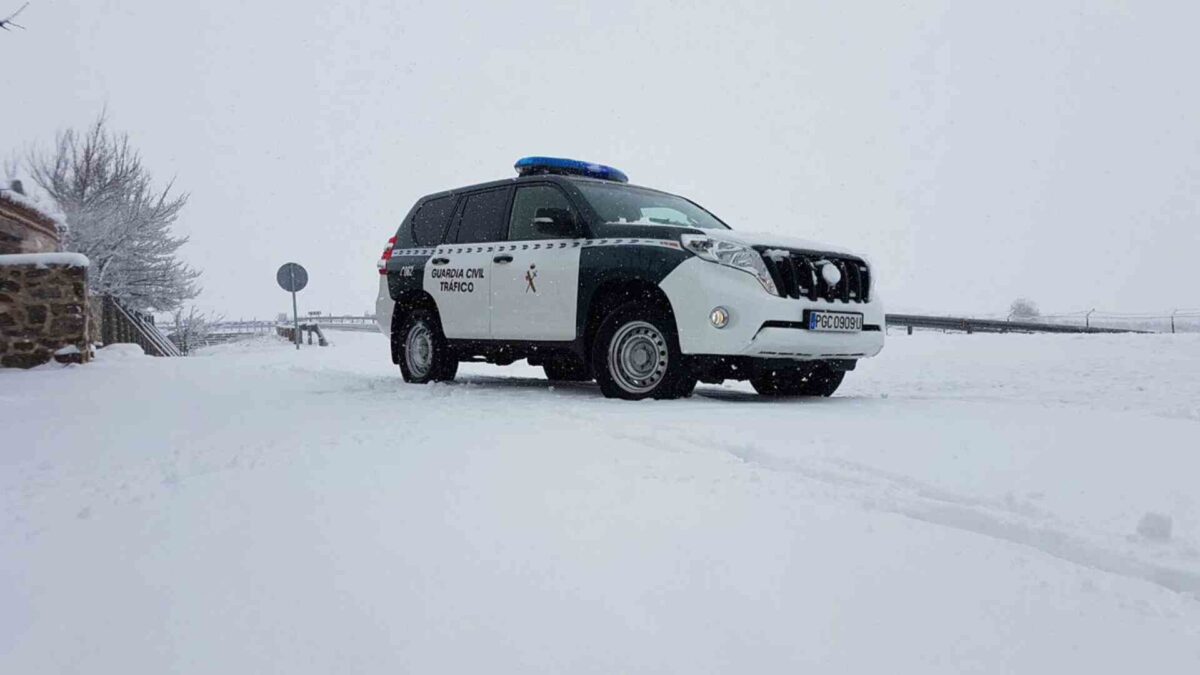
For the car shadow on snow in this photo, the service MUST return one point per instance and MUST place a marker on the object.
(735, 396)
(584, 389)
(592, 390)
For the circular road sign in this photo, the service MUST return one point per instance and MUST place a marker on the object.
(292, 277)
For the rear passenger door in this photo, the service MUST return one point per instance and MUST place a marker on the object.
(459, 272)
(535, 277)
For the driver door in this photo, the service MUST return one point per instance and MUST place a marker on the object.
(535, 275)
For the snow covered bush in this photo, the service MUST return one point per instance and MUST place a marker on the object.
(191, 328)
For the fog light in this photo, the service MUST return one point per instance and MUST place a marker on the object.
(719, 317)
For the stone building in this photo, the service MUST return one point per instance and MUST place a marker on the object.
(43, 292)
(24, 226)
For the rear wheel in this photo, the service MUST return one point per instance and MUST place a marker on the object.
(425, 356)
(817, 379)
(635, 355)
(566, 369)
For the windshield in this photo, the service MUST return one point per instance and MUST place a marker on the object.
(621, 204)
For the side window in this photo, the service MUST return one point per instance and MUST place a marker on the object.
(430, 222)
(404, 238)
(483, 217)
(541, 201)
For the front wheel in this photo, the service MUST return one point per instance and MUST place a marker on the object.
(636, 355)
(425, 355)
(817, 379)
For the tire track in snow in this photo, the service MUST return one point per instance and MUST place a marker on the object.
(1002, 520)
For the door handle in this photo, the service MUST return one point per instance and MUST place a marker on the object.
(440, 261)
(502, 259)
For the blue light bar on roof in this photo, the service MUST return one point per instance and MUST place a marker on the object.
(527, 166)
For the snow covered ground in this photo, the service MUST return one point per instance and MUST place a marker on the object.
(965, 504)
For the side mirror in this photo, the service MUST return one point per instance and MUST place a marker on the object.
(554, 222)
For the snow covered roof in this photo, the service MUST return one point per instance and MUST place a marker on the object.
(43, 259)
(41, 211)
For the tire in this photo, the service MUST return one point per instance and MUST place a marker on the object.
(815, 380)
(635, 355)
(566, 369)
(684, 386)
(425, 356)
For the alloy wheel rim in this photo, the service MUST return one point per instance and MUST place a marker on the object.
(638, 357)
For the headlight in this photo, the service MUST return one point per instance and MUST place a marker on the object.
(732, 255)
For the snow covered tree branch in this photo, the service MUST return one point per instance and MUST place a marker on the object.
(117, 217)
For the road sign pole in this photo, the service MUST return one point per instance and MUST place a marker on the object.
(292, 278)
(295, 315)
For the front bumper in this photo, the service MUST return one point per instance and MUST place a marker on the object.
(760, 324)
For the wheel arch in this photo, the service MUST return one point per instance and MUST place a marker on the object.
(407, 301)
(612, 294)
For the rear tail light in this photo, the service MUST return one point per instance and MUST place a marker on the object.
(387, 255)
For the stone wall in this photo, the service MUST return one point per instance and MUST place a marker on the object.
(43, 309)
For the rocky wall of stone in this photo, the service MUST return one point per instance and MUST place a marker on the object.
(43, 314)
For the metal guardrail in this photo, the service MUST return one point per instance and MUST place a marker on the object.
(351, 323)
(253, 327)
(964, 324)
(222, 332)
(955, 323)
(232, 330)
(968, 325)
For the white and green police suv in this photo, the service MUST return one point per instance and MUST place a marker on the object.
(574, 269)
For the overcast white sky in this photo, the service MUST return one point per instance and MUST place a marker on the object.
(977, 151)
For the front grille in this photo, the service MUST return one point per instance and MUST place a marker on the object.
(797, 274)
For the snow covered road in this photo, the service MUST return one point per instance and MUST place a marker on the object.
(965, 504)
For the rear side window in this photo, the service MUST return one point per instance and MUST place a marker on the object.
(430, 222)
(484, 217)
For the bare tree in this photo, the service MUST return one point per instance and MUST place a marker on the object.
(117, 218)
(1024, 308)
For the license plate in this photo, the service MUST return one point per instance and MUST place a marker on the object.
(835, 322)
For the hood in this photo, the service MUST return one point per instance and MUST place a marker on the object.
(777, 240)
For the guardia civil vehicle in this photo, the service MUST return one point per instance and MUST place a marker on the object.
(573, 269)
